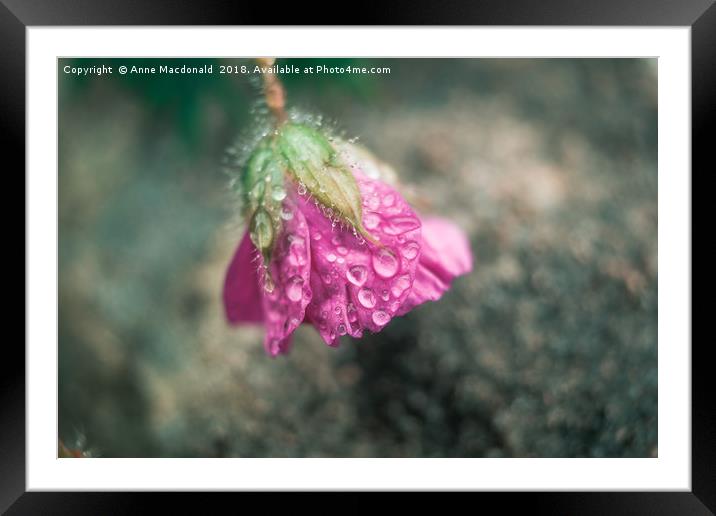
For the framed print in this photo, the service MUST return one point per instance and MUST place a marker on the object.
(448, 254)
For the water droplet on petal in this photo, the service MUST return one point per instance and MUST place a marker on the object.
(301, 189)
(294, 289)
(357, 275)
(342, 250)
(352, 313)
(371, 220)
(366, 297)
(399, 225)
(411, 250)
(331, 257)
(341, 329)
(307, 293)
(384, 295)
(316, 236)
(286, 214)
(296, 259)
(337, 310)
(295, 239)
(385, 263)
(380, 317)
(400, 285)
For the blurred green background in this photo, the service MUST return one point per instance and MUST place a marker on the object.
(548, 349)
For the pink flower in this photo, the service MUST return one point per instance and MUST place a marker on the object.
(343, 278)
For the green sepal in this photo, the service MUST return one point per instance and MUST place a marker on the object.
(262, 180)
(314, 162)
(262, 233)
(305, 156)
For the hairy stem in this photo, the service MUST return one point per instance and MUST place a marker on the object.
(273, 90)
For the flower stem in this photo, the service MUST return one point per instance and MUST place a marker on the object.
(273, 90)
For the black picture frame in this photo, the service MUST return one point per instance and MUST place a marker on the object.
(17, 15)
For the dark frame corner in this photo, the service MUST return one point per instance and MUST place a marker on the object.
(700, 15)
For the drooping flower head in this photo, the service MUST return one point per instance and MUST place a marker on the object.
(330, 242)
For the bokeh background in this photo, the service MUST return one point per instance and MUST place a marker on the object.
(548, 349)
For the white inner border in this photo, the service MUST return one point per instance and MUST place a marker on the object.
(671, 470)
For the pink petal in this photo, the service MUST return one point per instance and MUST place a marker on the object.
(445, 255)
(284, 306)
(358, 284)
(241, 286)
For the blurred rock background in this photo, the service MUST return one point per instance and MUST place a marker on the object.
(548, 349)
